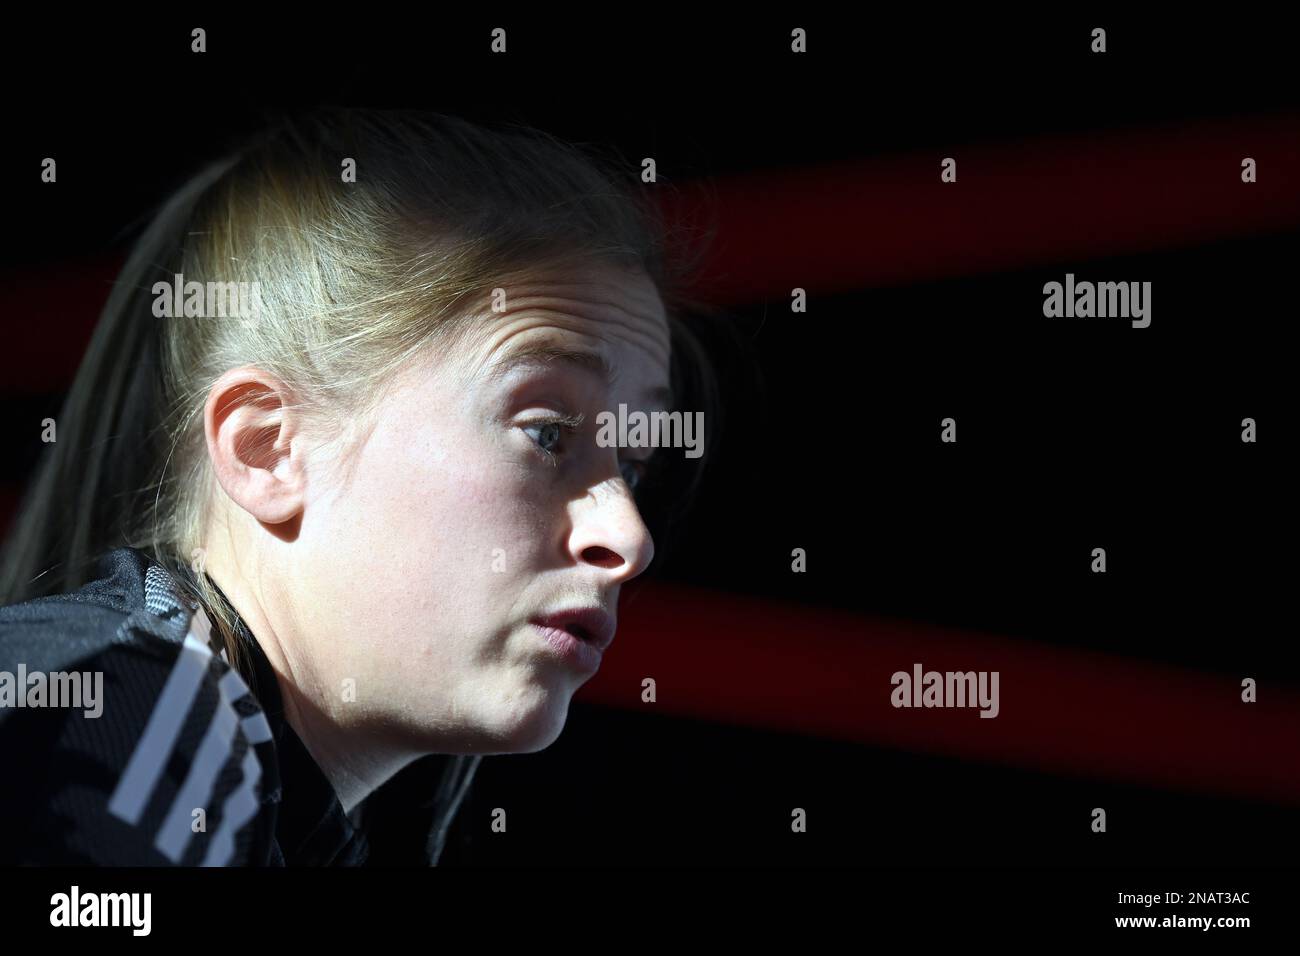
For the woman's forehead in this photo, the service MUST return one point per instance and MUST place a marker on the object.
(618, 316)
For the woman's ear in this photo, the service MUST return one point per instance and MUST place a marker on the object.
(256, 445)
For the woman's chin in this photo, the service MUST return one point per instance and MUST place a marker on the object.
(534, 728)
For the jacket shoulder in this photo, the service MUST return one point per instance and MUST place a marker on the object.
(127, 739)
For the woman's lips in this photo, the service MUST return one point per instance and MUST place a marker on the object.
(570, 648)
(594, 625)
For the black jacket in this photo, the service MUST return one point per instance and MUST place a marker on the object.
(127, 739)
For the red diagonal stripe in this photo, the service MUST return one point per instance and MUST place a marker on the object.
(890, 219)
(827, 673)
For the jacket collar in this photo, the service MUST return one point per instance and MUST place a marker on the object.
(404, 823)
(311, 826)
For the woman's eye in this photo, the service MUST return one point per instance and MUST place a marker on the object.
(548, 435)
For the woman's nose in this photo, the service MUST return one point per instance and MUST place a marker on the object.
(608, 531)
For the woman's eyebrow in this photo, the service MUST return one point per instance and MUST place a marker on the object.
(585, 360)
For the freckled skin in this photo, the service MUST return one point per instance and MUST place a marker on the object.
(391, 580)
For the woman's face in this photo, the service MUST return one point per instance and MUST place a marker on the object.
(427, 559)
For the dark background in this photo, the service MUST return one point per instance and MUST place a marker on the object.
(1069, 433)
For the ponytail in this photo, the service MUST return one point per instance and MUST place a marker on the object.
(95, 480)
